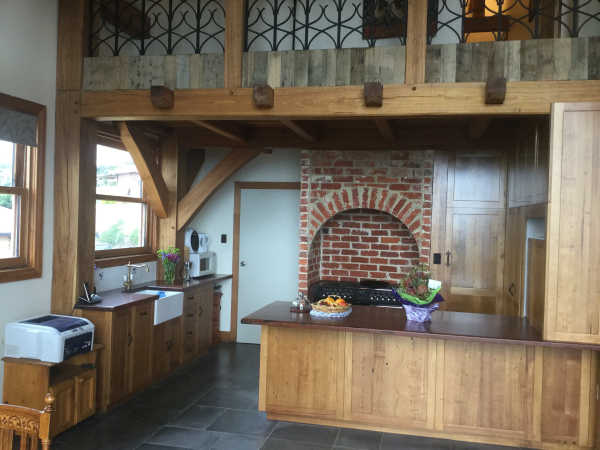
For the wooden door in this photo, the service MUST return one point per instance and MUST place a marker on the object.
(475, 224)
(204, 320)
(572, 311)
(140, 356)
(513, 262)
(64, 416)
(85, 395)
(121, 341)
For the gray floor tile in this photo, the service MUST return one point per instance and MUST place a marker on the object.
(231, 398)
(401, 442)
(243, 422)
(198, 417)
(358, 439)
(283, 444)
(305, 433)
(184, 437)
(229, 441)
(157, 447)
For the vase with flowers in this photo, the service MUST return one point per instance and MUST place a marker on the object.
(169, 257)
(419, 294)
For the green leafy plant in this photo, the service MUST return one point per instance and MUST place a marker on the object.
(415, 287)
(169, 257)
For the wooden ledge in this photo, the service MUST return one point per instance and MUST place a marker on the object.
(314, 103)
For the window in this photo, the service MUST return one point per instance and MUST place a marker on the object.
(22, 133)
(123, 220)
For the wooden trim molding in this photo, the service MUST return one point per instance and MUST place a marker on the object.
(122, 260)
(30, 176)
(313, 103)
(235, 270)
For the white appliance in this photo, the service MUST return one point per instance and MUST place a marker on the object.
(196, 242)
(169, 305)
(50, 338)
(203, 264)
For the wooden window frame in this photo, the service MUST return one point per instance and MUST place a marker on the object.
(29, 186)
(122, 256)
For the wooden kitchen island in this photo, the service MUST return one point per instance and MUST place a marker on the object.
(469, 377)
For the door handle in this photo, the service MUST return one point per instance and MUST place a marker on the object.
(511, 289)
(201, 311)
(448, 257)
(243, 263)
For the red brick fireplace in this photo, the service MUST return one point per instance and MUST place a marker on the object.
(364, 215)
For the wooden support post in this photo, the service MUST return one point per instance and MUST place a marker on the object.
(202, 191)
(235, 24)
(171, 167)
(263, 96)
(74, 165)
(162, 97)
(229, 133)
(142, 152)
(495, 91)
(416, 41)
(385, 129)
(374, 94)
(300, 130)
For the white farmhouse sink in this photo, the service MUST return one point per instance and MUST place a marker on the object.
(168, 306)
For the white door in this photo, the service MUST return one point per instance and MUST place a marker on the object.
(269, 238)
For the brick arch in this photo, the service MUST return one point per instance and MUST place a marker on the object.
(411, 212)
(407, 211)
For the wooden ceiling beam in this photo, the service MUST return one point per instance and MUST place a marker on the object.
(319, 103)
(201, 192)
(385, 129)
(141, 150)
(225, 132)
(300, 130)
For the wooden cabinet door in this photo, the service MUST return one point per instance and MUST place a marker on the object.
(513, 262)
(140, 356)
(204, 320)
(85, 395)
(572, 310)
(475, 219)
(475, 273)
(120, 349)
(160, 361)
(64, 416)
(174, 344)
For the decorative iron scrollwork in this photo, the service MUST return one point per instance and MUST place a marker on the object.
(156, 27)
(464, 20)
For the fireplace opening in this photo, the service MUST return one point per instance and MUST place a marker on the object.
(362, 244)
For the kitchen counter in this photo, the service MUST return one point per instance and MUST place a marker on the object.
(116, 299)
(444, 324)
(472, 377)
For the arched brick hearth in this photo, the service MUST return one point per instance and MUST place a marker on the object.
(408, 211)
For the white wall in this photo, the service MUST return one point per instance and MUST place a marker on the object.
(28, 33)
(112, 277)
(216, 217)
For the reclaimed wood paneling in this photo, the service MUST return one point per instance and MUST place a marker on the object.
(140, 72)
(533, 60)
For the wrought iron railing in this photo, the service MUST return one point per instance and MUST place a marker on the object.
(156, 27)
(476, 20)
(310, 24)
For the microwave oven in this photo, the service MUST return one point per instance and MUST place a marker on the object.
(203, 264)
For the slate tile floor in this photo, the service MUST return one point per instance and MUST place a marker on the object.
(213, 405)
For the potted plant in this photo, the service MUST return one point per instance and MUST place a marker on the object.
(416, 295)
(169, 258)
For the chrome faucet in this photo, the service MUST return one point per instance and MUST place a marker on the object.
(128, 283)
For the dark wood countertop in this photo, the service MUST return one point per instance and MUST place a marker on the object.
(444, 324)
(116, 299)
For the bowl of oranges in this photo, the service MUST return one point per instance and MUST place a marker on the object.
(331, 305)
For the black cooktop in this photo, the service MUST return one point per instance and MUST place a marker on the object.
(365, 292)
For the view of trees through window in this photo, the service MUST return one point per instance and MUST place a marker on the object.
(120, 211)
(8, 201)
